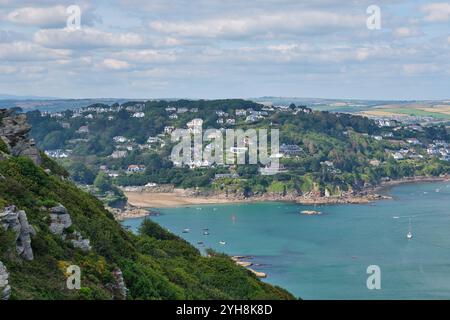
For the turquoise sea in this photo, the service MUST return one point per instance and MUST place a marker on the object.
(326, 256)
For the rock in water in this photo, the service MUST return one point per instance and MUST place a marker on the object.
(17, 221)
(5, 289)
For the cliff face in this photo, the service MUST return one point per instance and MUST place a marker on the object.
(14, 131)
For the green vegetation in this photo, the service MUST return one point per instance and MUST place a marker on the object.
(3, 146)
(337, 148)
(419, 113)
(155, 263)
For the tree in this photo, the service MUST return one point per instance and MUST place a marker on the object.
(81, 173)
(102, 182)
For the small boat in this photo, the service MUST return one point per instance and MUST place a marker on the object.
(409, 235)
(222, 243)
(311, 212)
(187, 230)
(200, 243)
(395, 217)
(206, 233)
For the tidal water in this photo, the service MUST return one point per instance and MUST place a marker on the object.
(326, 256)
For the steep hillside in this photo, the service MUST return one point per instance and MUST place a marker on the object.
(47, 225)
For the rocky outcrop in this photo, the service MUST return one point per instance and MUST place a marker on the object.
(5, 289)
(14, 131)
(78, 242)
(17, 221)
(119, 288)
(60, 222)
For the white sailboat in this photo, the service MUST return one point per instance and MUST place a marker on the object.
(409, 234)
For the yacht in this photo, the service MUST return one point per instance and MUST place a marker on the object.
(409, 234)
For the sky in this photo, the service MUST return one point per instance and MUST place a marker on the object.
(226, 49)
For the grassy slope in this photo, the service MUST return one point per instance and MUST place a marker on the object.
(155, 264)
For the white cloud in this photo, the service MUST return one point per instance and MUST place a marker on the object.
(86, 38)
(114, 64)
(147, 56)
(5, 70)
(420, 68)
(263, 24)
(41, 17)
(406, 32)
(27, 51)
(437, 12)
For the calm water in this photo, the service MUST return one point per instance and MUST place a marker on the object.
(326, 256)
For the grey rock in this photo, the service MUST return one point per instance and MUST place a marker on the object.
(24, 242)
(119, 288)
(14, 131)
(60, 219)
(59, 223)
(17, 221)
(59, 209)
(80, 243)
(5, 288)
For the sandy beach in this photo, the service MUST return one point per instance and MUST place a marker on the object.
(172, 200)
(169, 200)
(179, 198)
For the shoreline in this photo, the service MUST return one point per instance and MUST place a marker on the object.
(131, 212)
(178, 198)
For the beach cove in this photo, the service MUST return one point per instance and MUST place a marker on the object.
(326, 256)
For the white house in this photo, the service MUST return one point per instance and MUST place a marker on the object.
(119, 154)
(153, 140)
(138, 115)
(83, 129)
(398, 156)
(120, 139)
(134, 168)
(413, 141)
(169, 129)
(241, 112)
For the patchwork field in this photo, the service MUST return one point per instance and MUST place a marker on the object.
(437, 111)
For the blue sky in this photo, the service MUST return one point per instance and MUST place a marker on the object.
(226, 49)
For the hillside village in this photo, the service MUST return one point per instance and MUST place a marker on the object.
(121, 156)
